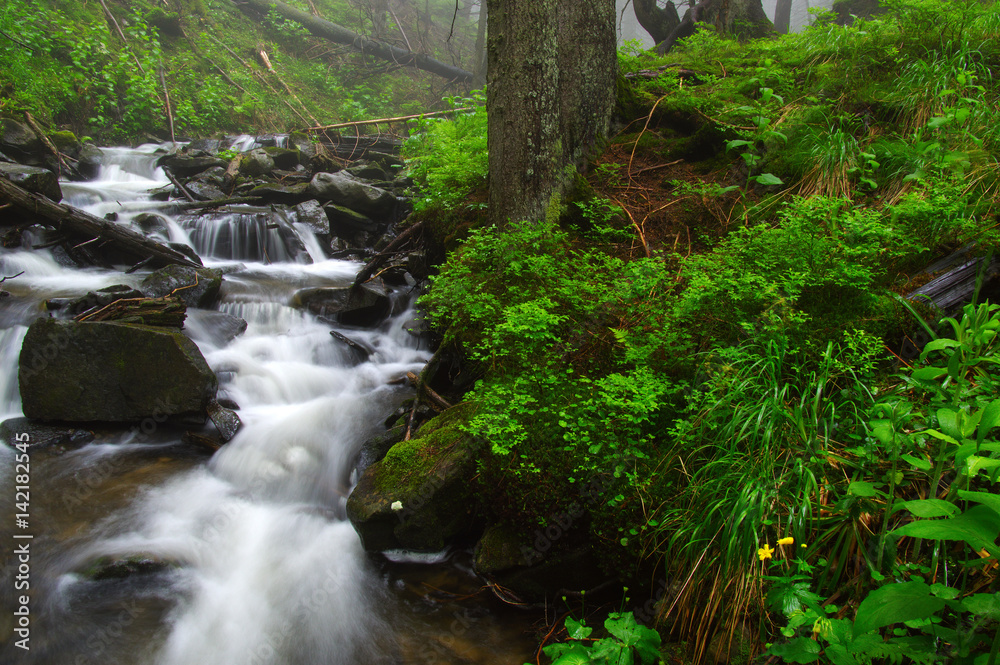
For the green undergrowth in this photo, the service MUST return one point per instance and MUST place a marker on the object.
(66, 63)
(760, 437)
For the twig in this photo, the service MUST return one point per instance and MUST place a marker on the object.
(16, 41)
(180, 187)
(658, 166)
(418, 383)
(377, 121)
(400, 26)
(638, 138)
(166, 97)
(642, 236)
(11, 277)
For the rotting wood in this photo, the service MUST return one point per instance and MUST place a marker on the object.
(429, 392)
(76, 222)
(166, 312)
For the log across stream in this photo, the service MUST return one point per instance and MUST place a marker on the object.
(148, 549)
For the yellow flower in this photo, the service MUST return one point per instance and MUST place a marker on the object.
(787, 541)
(765, 552)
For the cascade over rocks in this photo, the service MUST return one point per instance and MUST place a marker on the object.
(111, 372)
(367, 305)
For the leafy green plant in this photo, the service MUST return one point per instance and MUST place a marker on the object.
(627, 642)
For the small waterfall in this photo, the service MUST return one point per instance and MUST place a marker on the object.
(246, 554)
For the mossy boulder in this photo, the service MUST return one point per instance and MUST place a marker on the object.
(345, 190)
(196, 287)
(112, 372)
(421, 495)
(283, 158)
(550, 561)
(256, 163)
(34, 179)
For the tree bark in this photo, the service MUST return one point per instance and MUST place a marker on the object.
(552, 71)
(783, 16)
(341, 35)
(658, 22)
(79, 223)
(744, 19)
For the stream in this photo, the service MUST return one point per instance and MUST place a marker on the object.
(243, 556)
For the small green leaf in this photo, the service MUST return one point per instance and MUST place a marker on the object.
(799, 650)
(928, 507)
(768, 179)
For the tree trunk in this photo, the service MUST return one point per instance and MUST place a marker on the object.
(552, 71)
(783, 16)
(341, 35)
(659, 23)
(744, 19)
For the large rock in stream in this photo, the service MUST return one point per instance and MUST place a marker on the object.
(420, 496)
(348, 191)
(111, 372)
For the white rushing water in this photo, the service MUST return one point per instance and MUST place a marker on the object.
(250, 560)
(266, 569)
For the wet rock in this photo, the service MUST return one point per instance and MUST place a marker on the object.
(345, 190)
(205, 145)
(111, 372)
(367, 171)
(367, 305)
(185, 166)
(420, 496)
(196, 287)
(17, 140)
(34, 433)
(311, 214)
(110, 568)
(150, 223)
(89, 161)
(186, 250)
(219, 327)
(34, 179)
(203, 191)
(346, 223)
(283, 158)
(102, 298)
(226, 421)
(375, 449)
(276, 193)
(256, 163)
(550, 560)
(418, 265)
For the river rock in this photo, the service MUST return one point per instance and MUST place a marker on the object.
(343, 189)
(256, 163)
(20, 142)
(198, 287)
(226, 421)
(283, 158)
(549, 561)
(367, 305)
(346, 223)
(218, 327)
(186, 166)
(278, 193)
(204, 191)
(89, 162)
(311, 214)
(420, 496)
(34, 179)
(61, 437)
(149, 223)
(111, 372)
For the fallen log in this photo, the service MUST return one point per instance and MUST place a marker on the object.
(167, 312)
(341, 35)
(73, 221)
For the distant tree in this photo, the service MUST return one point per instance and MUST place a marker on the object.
(551, 88)
(743, 18)
(658, 21)
(782, 16)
